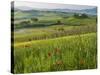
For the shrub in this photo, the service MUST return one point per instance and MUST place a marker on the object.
(59, 22)
(61, 29)
(80, 15)
(34, 19)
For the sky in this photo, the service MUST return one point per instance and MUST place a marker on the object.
(40, 5)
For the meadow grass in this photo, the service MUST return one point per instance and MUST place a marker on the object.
(57, 54)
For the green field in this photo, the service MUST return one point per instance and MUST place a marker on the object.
(54, 41)
(66, 53)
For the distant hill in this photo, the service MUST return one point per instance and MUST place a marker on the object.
(92, 11)
(23, 8)
(28, 12)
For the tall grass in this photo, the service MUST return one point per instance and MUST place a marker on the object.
(64, 53)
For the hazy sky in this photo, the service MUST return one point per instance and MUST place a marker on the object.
(50, 5)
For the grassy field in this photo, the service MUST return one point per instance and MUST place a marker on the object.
(54, 41)
(64, 53)
(71, 26)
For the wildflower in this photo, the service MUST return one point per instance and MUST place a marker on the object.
(81, 62)
(59, 62)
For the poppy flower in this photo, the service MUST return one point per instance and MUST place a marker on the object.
(82, 62)
(59, 62)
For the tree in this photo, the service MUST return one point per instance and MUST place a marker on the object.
(80, 15)
(84, 16)
(76, 15)
(34, 19)
(59, 22)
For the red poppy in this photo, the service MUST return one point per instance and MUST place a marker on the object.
(59, 62)
(82, 62)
